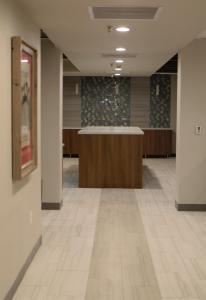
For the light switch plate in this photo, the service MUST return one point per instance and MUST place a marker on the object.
(198, 129)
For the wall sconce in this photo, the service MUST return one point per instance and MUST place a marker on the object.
(157, 90)
(76, 89)
(117, 89)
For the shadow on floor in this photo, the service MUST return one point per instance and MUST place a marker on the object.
(150, 180)
(71, 177)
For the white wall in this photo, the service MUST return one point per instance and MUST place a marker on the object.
(17, 235)
(191, 107)
(52, 94)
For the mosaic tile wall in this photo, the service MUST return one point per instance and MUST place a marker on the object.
(160, 103)
(105, 101)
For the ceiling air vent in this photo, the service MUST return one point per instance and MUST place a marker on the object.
(124, 13)
(115, 55)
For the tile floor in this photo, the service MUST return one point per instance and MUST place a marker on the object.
(120, 244)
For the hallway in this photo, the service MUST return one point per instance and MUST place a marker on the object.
(120, 244)
(114, 95)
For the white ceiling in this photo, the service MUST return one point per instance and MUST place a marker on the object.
(69, 25)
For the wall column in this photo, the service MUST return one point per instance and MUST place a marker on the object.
(191, 112)
(52, 94)
(173, 111)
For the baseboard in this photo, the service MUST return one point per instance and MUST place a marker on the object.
(71, 155)
(21, 274)
(156, 156)
(51, 205)
(190, 207)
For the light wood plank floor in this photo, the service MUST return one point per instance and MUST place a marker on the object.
(120, 244)
(121, 265)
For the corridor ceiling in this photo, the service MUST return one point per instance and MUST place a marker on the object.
(91, 48)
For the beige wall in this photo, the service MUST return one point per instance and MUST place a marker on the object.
(173, 111)
(191, 108)
(17, 200)
(52, 94)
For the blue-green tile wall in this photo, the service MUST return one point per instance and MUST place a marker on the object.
(105, 101)
(160, 101)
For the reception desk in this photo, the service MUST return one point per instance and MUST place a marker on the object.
(157, 142)
(110, 157)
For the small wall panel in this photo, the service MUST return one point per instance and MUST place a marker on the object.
(72, 102)
(140, 101)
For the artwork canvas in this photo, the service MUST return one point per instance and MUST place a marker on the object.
(24, 102)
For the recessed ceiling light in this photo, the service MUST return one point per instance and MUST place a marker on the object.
(120, 49)
(118, 69)
(119, 61)
(122, 29)
(117, 74)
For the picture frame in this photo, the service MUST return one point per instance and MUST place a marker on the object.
(24, 109)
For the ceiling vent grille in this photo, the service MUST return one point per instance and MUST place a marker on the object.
(124, 13)
(111, 55)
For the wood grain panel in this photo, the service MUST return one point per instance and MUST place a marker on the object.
(66, 142)
(71, 141)
(110, 161)
(157, 142)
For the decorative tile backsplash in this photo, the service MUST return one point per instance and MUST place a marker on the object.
(105, 101)
(160, 93)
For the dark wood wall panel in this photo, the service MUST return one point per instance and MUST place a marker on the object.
(71, 141)
(157, 142)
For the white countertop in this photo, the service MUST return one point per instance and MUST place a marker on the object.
(111, 130)
(72, 127)
(149, 128)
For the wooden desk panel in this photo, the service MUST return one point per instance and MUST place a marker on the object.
(110, 161)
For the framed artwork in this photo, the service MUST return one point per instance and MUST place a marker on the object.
(24, 108)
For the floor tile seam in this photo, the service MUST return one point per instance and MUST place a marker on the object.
(148, 245)
(93, 244)
(182, 258)
(60, 270)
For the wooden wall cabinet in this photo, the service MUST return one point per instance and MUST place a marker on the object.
(157, 142)
(71, 141)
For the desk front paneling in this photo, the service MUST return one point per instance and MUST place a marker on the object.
(110, 161)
